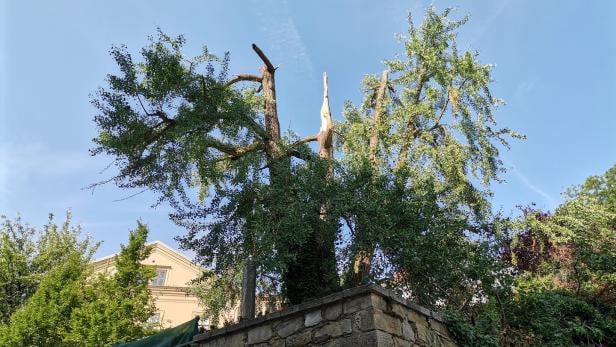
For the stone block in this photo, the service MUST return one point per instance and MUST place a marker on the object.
(332, 312)
(276, 343)
(408, 333)
(358, 303)
(438, 326)
(289, 326)
(398, 310)
(379, 302)
(364, 320)
(388, 323)
(301, 339)
(416, 317)
(384, 339)
(259, 334)
(313, 318)
(347, 326)
(333, 329)
(429, 337)
(400, 342)
(365, 339)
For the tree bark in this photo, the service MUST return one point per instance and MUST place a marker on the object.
(313, 273)
(411, 131)
(249, 285)
(379, 110)
(362, 262)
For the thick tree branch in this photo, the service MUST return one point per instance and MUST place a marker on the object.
(229, 149)
(305, 139)
(376, 123)
(246, 77)
(263, 57)
(444, 108)
(362, 262)
(241, 151)
(411, 131)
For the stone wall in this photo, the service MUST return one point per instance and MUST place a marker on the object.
(362, 316)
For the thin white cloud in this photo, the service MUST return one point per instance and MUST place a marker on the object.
(21, 162)
(501, 7)
(549, 199)
(284, 38)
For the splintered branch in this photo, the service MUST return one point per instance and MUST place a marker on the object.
(263, 57)
(326, 149)
(244, 77)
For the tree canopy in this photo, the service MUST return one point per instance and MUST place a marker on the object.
(55, 300)
(423, 144)
(397, 190)
(562, 265)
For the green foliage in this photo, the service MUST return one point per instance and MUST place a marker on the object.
(563, 266)
(179, 127)
(116, 308)
(473, 335)
(68, 305)
(17, 275)
(44, 319)
(423, 206)
(560, 318)
(175, 127)
(57, 269)
(218, 293)
(27, 255)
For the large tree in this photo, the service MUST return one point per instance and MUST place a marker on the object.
(116, 308)
(562, 268)
(417, 159)
(27, 254)
(176, 125)
(62, 303)
(425, 130)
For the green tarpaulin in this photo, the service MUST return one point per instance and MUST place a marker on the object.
(167, 338)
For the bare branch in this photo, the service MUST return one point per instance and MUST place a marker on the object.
(240, 78)
(376, 123)
(229, 149)
(310, 138)
(411, 132)
(130, 196)
(444, 108)
(263, 57)
(239, 152)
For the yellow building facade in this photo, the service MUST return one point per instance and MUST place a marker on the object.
(174, 271)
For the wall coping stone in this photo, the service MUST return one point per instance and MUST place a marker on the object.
(312, 304)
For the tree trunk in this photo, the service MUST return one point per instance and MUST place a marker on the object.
(249, 285)
(362, 262)
(314, 273)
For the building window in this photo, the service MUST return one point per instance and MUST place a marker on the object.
(154, 319)
(159, 279)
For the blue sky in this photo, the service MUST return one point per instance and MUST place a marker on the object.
(555, 67)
